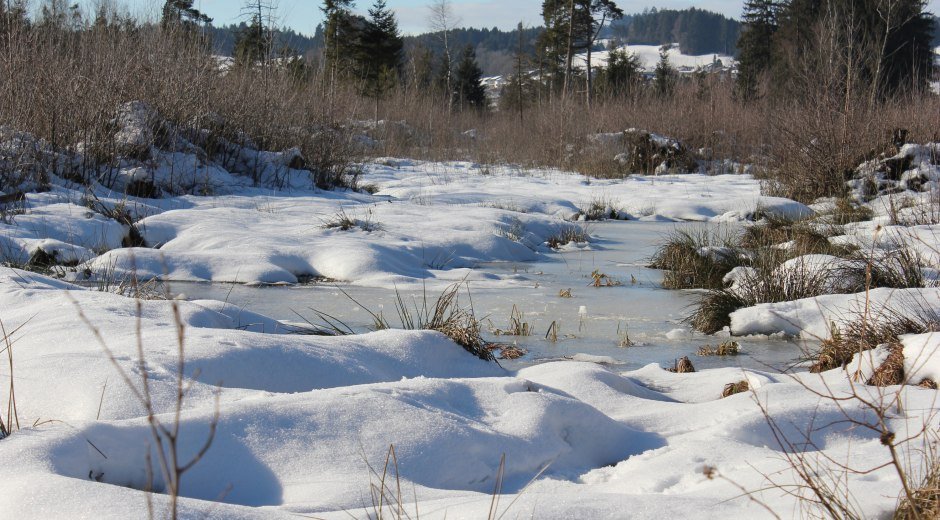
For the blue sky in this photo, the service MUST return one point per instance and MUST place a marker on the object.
(304, 15)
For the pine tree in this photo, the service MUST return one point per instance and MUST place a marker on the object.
(379, 53)
(181, 13)
(470, 92)
(607, 10)
(556, 40)
(340, 36)
(664, 79)
(755, 46)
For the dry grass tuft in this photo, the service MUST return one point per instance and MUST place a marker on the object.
(506, 351)
(735, 388)
(899, 268)
(802, 237)
(697, 258)
(599, 279)
(728, 348)
(891, 371)
(343, 222)
(444, 314)
(682, 366)
(570, 233)
(764, 285)
(864, 334)
(925, 502)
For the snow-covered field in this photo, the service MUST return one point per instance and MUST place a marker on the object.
(648, 56)
(296, 421)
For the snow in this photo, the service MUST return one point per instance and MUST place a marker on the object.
(922, 357)
(301, 418)
(812, 318)
(428, 221)
(649, 57)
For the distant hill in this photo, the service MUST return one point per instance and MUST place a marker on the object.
(495, 48)
(936, 31)
(697, 31)
(223, 39)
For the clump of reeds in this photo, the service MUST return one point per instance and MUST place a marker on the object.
(569, 233)
(599, 279)
(697, 258)
(728, 348)
(868, 331)
(682, 366)
(517, 325)
(735, 388)
(10, 419)
(765, 284)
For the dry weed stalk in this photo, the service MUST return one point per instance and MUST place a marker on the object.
(444, 314)
(12, 420)
(165, 434)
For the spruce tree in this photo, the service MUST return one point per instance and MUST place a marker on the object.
(470, 92)
(755, 46)
(664, 79)
(881, 48)
(621, 77)
(252, 43)
(379, 53)
(340, 35)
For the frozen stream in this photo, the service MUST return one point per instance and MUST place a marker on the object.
(649, 314)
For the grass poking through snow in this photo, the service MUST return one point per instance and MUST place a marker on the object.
(697, 258)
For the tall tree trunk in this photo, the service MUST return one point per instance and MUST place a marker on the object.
(570, 49)
(590, 83)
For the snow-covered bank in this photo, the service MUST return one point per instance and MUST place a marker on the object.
(427, 221)
(300, 417)
(812, 318)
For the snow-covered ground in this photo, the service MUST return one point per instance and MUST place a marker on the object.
(427, 221)
(301, 418)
